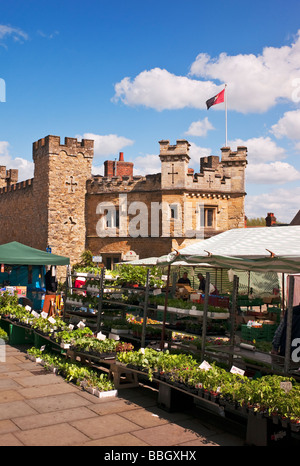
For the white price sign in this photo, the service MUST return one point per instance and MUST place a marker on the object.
(237, 370)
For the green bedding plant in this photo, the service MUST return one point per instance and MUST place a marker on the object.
(73, 371)
(3, 335)
(264, 395)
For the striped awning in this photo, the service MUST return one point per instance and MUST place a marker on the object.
(261, 249)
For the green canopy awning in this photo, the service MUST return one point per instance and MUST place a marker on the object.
(15, 253)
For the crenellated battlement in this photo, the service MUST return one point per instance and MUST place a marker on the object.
(8, 177)
(51, 145)
(22, 185)
(234, 157)
(170, 152)
(101, 184)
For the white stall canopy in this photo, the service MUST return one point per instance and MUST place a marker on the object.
(259, 249)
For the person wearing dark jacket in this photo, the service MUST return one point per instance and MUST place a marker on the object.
(201, 282)
(184, 279)
(50, 282)
(279, 339)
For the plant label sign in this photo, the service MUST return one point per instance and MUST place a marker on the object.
(205, 366)
(286, 386)
(237, 370)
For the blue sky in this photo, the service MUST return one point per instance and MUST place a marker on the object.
(130, 73)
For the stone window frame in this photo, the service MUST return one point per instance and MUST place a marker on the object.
(203, 212)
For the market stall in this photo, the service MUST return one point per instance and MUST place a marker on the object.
(252, 249)
(23, 270)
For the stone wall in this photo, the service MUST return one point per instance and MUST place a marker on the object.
(17, 209)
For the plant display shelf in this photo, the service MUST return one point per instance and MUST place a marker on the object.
(261, 361)
(102, 289)
(18, 334)
(195, 312)
(91, 359)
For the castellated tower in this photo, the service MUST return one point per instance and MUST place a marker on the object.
(174, 167)
(59, 189)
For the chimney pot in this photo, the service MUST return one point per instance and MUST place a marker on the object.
(121, 157)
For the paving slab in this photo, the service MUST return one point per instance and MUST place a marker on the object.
(7, 426)
(39, 379)
(52, 418)
(57, 402)
(10, 440)
(167, 434)
(59, 435)
(121, 440)
(105, 426)
(10, 410)
(7, 396)
(48, 390)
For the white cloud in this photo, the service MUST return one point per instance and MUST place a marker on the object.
(262, 149)
(199, 128)
(147, 165)
(48, 35)
(288, 126)
(16, 33)
(107, 145)
(255, 82)
(98, 170)
(162, 90)
(284, 203)
(25, 167)
(196, 152)
(271, 173)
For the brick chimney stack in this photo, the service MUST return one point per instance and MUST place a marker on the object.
(118, 168)
(270, 219)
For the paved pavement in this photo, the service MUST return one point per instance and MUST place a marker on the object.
(38, 408)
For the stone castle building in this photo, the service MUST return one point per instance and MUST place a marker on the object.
(120, 216)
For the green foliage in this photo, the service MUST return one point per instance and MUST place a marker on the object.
(3, 335)
(254, 222)
(263, 395)
(86, 260)
(181, 304)
(8, 303)
(73, 371)
(137, 275)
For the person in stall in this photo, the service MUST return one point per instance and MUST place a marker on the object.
(184, 279)
(201, 282)
(51, 281)
(279, 339)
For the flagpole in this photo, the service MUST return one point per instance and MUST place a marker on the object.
(225, 115)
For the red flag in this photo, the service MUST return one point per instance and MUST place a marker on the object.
(217, 99)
